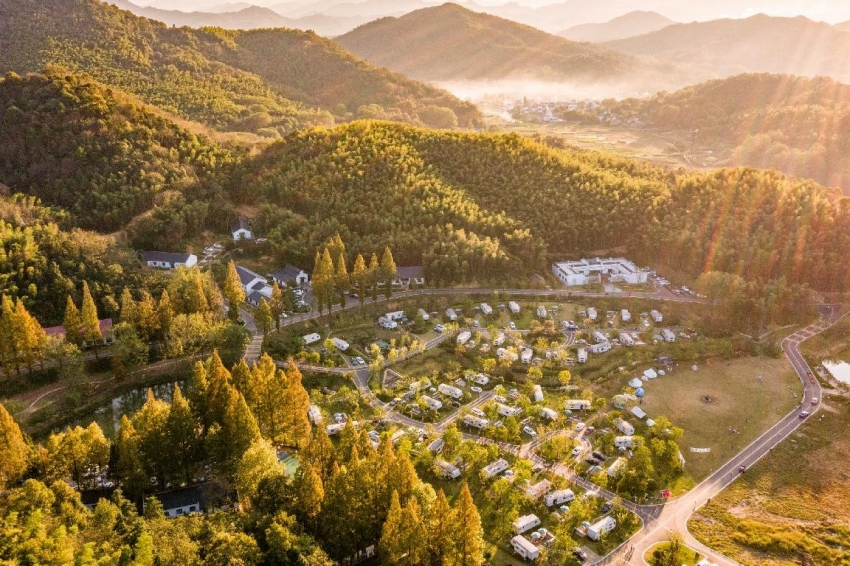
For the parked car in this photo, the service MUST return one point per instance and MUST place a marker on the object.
(607, 507)
(804, 414)
(512, 325)
(529, 431)
(815, 401)
(576, 451)
(475, 389)
(579, 427)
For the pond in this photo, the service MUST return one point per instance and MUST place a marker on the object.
(839, 370)
(109, 415)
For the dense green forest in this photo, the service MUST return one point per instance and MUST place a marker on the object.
(797, 125)
(343, 497)
(83, 147)
(176, 69)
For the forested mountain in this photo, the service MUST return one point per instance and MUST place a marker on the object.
(494, 207)
(797, 125)
(251, 17)
(173, 68)
(627, 25)
(796, 46)
(450, 42)
(94, 152)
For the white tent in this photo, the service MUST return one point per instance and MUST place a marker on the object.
(650, 374)
(636, 383)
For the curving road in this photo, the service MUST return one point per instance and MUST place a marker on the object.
(660, 519)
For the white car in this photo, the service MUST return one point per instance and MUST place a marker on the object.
(209, 250)
(512, 325)
(579, 427)
(475, 389)
(576, 451)
(529, 431)
(217, 246)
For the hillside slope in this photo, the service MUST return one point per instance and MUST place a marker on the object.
(451, 43)
(171, 67)
(797, 125)
(627, 25)
(251, 17)
(93, 152)
(796, 46)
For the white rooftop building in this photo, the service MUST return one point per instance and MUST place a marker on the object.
(558, 497)
(514, 307)
(524, 548)
(598, 270)
(494, 468)
(526, 522)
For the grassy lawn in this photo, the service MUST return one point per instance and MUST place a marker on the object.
(739, 402)
(790, 508)
(691, 557)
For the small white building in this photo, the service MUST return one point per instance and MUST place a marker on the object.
(625, 427)
(387, 324)
(591, 313)
(291, 274)
(525, 523)
(668, 335)
(538, 393)
(451, 315)
(598, 270)
(311, 338)
(600, 348)
(437, 446)
(507, 411)
(446, 470)
(549, 414)
(475, 422)
(599, 337)
(601, 527)
(524, 548)
(582, 356)
(168, 260)
(500, 339)
(242, 230)
(626, 339)
(315, 415)
(424, 314)
(479, 378)
(513, 306)
(464, 337)
(450, 391)
(559, 497)
(494, 468)
(577, 404)
(432, 403)
(486, 309)
(526, 355)
(395, 315)
(625, 315)
(638, 412)
(340, 344)
(656, 315)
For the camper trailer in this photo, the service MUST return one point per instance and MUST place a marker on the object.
(451, 315)
(514, 307)
(577, 404)
(559, 497)
(486, 309)
(601, 527)
(424, 314)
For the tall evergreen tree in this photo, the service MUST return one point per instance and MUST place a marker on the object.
(14, 452)
(181, 433)
(128, 307)
(233, 291)
(374, 275)
(309, 494)
(150, 423)
(30, 337)
(320, 453)
(388, 271)
(360, 278)
(147, 317)
(342, 282)
(263, 317)
(231, 437)
(91, 322)
(10, 354)
(439, 530)
(296, 404)
(323, 281)
(128, 465)
(165, 312)
(277, 303)
(466, 535)
(73, 323)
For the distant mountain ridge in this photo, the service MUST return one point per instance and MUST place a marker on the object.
(628, 25)
(795, 46)
(267, 82)
(449, 42)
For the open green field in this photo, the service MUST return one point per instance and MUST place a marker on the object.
(740, 402)
(791, 507)
(691, 556)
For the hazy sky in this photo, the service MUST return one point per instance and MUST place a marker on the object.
(681, 10)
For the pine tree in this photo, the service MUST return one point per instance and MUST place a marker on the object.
(342, 282)
(151, 428)
(242, 380)
(374, 274)
(128, 466)
(309, 494)
(10, 354)
(388, 271)
(257, 463)
(218, 385)
(264, 317)
(277, 305)
(323, 281)
(73, 323)
(360, 278)
(147, 317)
(296, 404)
(91, 322)
(165, 312)
(439, 529)
(128, 307)
(31, 337)
(392, 547)
(466, 535)
(199, 394)
(14, 452)
(181, 432)
(320, 453)
(233, 291)
(236, 431)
